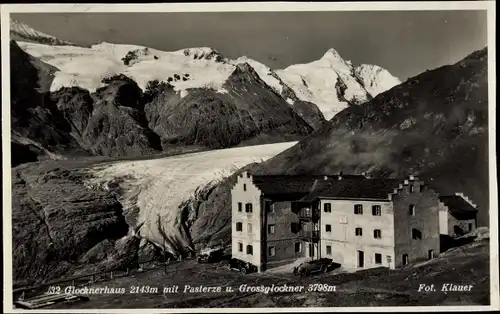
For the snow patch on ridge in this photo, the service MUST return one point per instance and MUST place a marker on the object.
(86, 67)
(375, 79)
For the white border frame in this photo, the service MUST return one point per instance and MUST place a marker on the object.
(490, 6)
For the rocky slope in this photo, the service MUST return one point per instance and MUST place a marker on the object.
(72, 121)
(39, 129)
(204, 117)
(434, 125)
(56, 221)
(121, 119)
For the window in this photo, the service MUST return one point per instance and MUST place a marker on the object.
(328, 250)
(249, 227)
(327, 208)
(359, 232)
(416, 234)
(240, 247)
(248, 207)
(378, 258)
(377, 234)
(376, 210)
(421, 187)
(430, 254)
(405, 259)
(411, 210)
(294, 227)
(270, 229)
(249, 249)
(358, 209)
(470, 226)
(298, 247)
(412, 188)
(272, 251)
(239, 226)
(328, 228)
(240, 207)
(269, 207)
(244, 187)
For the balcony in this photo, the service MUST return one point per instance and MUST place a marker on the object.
(308, 214)
(307, 235)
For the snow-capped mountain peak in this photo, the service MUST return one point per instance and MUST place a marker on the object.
(331, 82)
(21, 31)
(332, 55)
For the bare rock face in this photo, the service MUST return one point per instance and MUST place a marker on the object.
(118, 126)
(76, 105)
(56, 220)
(218, 120)
(310, 113)
(37, 124)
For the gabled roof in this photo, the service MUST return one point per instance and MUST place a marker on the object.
(354, 188)
(291, 184)
(458, 206)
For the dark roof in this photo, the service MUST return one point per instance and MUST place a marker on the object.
(458, 206)
(355, 188)
(291, 184)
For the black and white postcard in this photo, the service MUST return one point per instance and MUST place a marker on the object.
(233, 157)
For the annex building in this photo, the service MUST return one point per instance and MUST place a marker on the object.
(356, 220)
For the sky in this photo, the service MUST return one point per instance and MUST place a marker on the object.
(404, 42)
